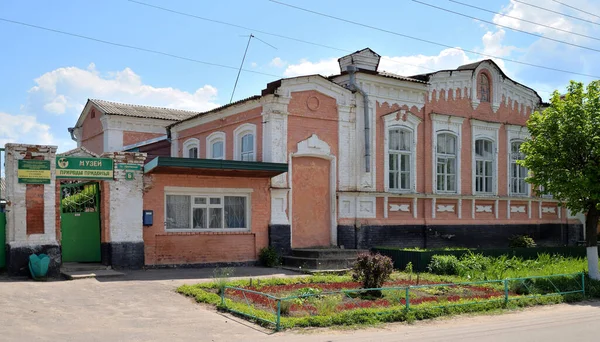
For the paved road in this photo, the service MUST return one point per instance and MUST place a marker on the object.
(144, 307)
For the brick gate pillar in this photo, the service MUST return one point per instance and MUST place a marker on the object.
(30, 212)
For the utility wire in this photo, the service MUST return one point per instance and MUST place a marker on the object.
(524, 20)
(241, 66)
(556, 12)
(577, 9)
(266, 32)
(507, 27)
(133, 47)
(430, 41)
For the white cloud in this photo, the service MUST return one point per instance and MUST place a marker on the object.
(278, 62)
(58, 90)
(24, 129)
(253, 64)
(324, 67)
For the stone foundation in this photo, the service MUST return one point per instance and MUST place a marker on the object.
(280, 238)
(123, 255)
(472, 236)
(17, 259)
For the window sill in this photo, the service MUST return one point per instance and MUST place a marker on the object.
(401, 192)
(206, 232)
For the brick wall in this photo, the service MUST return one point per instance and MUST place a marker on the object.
(166, 248)
(131, 137)
(34, 199)
(92, 136)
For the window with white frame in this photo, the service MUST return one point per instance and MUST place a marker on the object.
(484, 166)
(215, 145)
(518, 173)
(207, 212)
(245, 142)
(400, 151)
(191, 148)
(446, 162)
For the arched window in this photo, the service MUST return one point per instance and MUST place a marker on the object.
(191, 148)
(399, 158)
(446, 162)
(484, 88)
(484, 166)
(215, 145)
(245, 142)
(517, 172)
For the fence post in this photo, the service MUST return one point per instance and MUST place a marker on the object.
(407, 300)
(278, 321)
(583, 283)
(506, 291)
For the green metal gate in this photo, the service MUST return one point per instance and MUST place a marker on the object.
(80, 222)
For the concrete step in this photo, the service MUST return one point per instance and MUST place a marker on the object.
(74, 275)
(83, 266)
(326, 253)
(329, 264)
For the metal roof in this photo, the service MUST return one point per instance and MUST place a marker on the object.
(124, 109)
(399, 77)
(216, 167)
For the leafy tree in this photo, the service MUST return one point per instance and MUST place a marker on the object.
(563, 156)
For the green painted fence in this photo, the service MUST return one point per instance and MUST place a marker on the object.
(421, 259)
(2, 240)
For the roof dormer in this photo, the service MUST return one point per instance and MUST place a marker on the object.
(365, 59)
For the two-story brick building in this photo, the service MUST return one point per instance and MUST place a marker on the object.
(373, 159)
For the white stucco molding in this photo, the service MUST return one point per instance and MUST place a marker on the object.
(485, 130)
(238, 133)
(409, 121)
(213, 138)
(515, 133)
(447, 124)
(315, 147)
(189, 144)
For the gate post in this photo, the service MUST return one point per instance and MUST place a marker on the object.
(30, 209)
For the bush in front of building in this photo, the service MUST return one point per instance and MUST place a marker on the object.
(372, 270)
(522, 241)
(269, 257)
(444, 265)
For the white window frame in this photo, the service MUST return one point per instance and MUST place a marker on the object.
(439, 155)
(487, 131)
(238, 133)
(403, 120)
(515, 133)
(447, 124)
(189, 144)
(209, 193)
(214, 138)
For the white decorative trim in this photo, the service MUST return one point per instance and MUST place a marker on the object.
(406, 120)
(445, 208)
(518, 209)
(400, 207)
(489, 131)
(415, 201)
(433, 200)
(548, 210)
(460, 208)
(279, 204)
(189, 144)
(213, 138)
(174, 144)
(319, 149)
(483, 208)
(385, 207)
(514, 133)
(366, 207)
(192, 190)
(347, 206)
(220, 114)
(453, 125)
(238, 133)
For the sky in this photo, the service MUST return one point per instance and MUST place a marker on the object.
(46, 77)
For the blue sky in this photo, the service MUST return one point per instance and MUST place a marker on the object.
(46, 77)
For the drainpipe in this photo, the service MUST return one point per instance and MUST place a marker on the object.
(72, 132)
(354, 87)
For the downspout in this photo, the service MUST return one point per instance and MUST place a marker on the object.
(354, 87)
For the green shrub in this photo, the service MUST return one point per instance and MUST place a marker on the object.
(372, 270)
(328, 304)
(521, 241)
(269, 257)
(444, 265)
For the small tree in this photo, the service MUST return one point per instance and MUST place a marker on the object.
(563, 156)
(372, 270)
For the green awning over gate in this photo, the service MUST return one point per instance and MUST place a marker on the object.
(214, 167)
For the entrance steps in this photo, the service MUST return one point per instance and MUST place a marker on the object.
(76, 270)
(312, 260)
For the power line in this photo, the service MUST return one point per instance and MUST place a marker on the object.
(524, 20)
(507, 27)
(431, 42)
(556, 12)
(265, 32)
(577, 9)
(133, 47)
